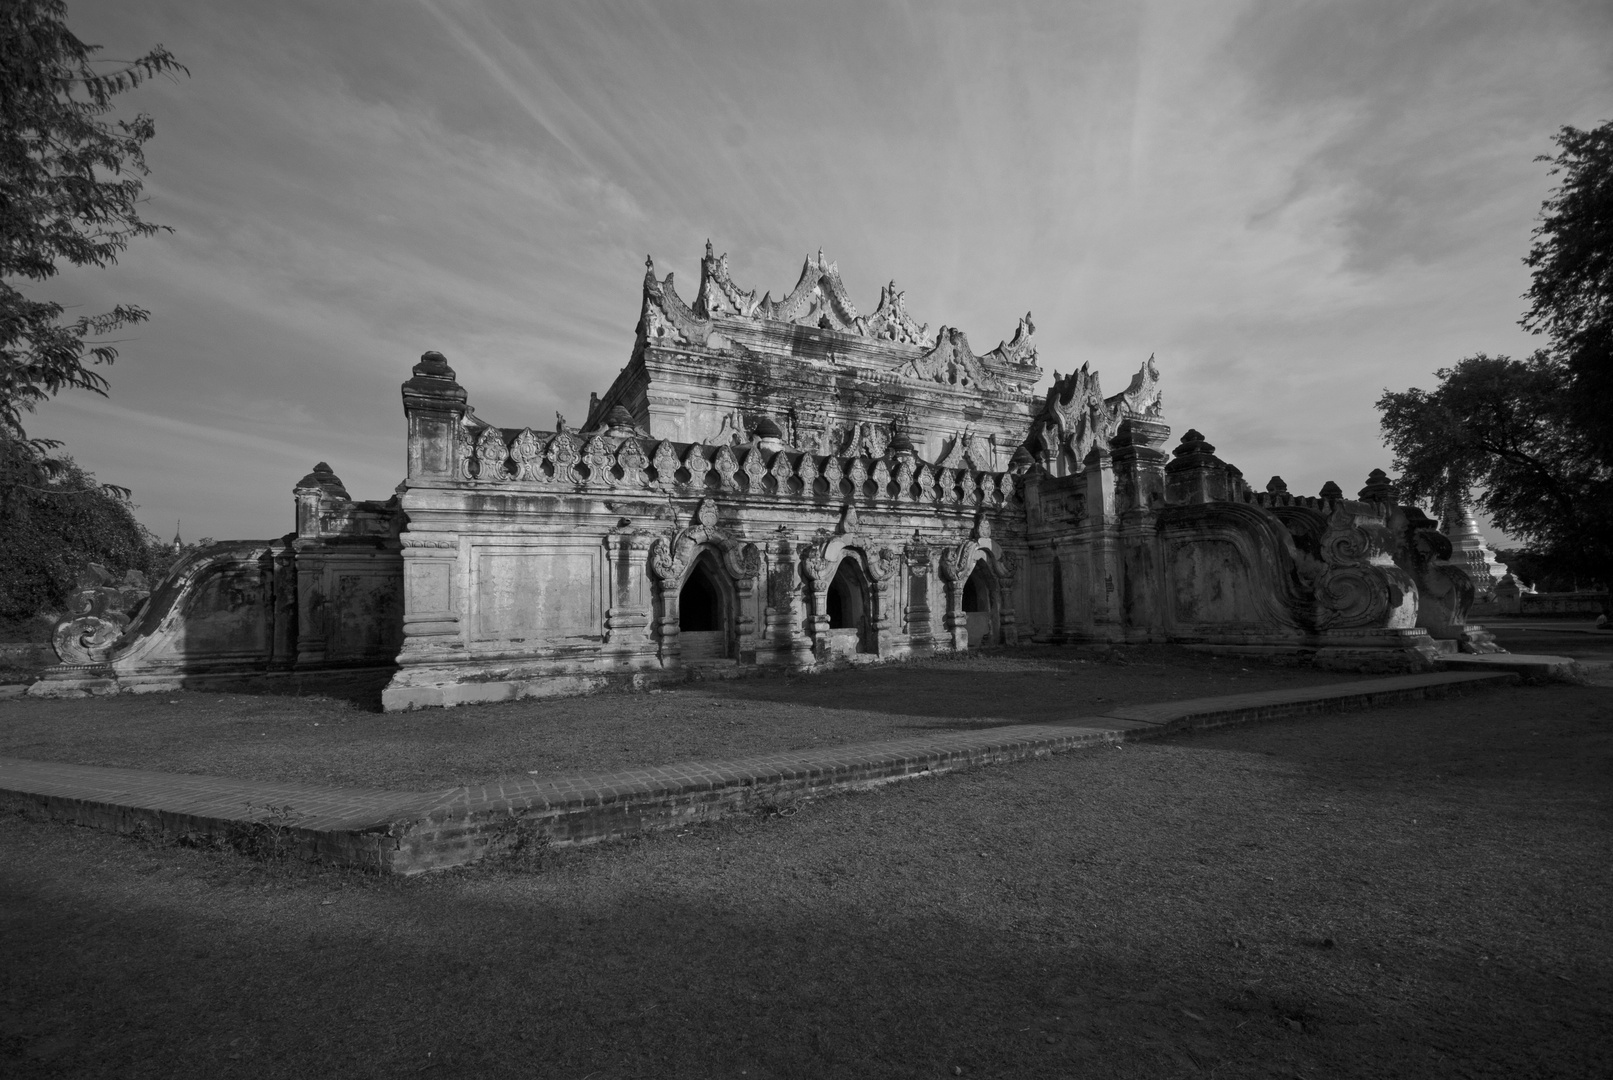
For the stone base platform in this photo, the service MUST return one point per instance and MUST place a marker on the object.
(1532, 667)
(408, 832)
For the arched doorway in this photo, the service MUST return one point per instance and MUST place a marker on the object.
(848, 609)
(977, 606)
(702, 614)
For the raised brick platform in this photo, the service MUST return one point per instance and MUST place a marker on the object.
(407, 832)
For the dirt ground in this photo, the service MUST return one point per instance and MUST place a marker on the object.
(1409, 892)
(325, 738)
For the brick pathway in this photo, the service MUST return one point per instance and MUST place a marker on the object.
(408, 831)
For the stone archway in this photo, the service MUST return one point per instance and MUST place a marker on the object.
(980, 606)
(705, 612)
(849, 607)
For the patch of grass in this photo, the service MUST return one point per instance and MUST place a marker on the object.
(1159, 910)
(318, 739)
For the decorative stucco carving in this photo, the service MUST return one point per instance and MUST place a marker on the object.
(891, 321)
(672, 552)
(818, 299)
(950, 362)
(1075, 417)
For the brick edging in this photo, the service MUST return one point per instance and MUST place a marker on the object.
(475, 822)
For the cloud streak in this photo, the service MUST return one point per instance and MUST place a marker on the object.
(1293, 206)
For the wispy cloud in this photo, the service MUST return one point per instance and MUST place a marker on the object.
(1291, 205)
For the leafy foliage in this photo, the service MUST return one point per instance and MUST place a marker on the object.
(53, 531)
(1571, 296)
(1536, 570)
(70, 183)
(1498, 423)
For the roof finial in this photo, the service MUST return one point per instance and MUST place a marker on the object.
(708, 247)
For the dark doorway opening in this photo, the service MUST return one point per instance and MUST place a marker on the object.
(977, 606)
(702, 627)
(848, 603)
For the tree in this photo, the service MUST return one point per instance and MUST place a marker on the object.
(1571, 295)
(1503, 426)
(70, 183)
(64, 525)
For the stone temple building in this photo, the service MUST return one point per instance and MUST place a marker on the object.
(784, 484)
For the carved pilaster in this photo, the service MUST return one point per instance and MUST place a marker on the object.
(430, 597)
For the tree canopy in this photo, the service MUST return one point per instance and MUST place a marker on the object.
(1535, 436)
(1499, 424)
(57, 529)
(1571, 293)
(70, 184)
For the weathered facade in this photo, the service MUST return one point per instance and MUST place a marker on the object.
(792, 484)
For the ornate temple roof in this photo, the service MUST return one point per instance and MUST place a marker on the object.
(891, 337)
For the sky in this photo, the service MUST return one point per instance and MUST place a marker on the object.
(1293, 206)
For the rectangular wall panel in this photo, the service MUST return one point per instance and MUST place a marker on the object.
(542, 594)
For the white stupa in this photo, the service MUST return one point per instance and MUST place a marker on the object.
(1469, 551)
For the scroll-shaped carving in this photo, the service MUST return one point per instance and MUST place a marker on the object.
(882, 562)
(665, 562)
(527, 453)
(926, 483)
(563, 455)
(671, 553)
(742, 560)
(491, 454)
(88, 639)
(1008, 564)
(815, 566)
(465, 453)
(634, 464)
(1355, 596)
(1361, 586)
(666, 464)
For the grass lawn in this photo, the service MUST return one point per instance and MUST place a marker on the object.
(1410, 892)
(340, 740)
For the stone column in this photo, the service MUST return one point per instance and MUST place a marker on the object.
(627, 620)
(1008, 564)
(666, 624)
(920, 626)
(1140, 490)
(1101, 531)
